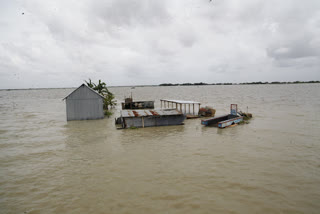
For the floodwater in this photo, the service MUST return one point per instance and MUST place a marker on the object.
(271, 165)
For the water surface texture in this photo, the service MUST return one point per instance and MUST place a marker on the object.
(272, 165)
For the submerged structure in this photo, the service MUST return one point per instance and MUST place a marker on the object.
(184, 106)
(130, 104)
(224, 120)
(148, 118)
(84, 104)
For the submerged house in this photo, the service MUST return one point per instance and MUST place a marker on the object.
(147, 118)
(130, 104)
(84, 104)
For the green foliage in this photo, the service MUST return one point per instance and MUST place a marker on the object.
(133, 127)
(102, 89)
(109, 101)
(243, 122)
(90, 84)
(107, 113)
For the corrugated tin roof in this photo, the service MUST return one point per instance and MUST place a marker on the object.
(144, 113)
(86, 87)
(181, 101)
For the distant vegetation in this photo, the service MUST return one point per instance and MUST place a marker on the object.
(245, 83)
(102, 89)
(170, 84)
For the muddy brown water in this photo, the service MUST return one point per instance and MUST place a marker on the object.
(271, 165)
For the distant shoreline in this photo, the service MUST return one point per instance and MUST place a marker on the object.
(179, 84)
(245, 83)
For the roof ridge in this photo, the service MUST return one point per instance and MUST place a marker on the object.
(81, 86)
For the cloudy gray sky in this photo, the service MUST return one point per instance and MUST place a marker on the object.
(133, 42)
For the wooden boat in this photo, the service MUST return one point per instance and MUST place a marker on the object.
(224, 120)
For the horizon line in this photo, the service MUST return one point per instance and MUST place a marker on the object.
(182, 84)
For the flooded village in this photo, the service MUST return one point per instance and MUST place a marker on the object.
(160, 107)
(84, 103)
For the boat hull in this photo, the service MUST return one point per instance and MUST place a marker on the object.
(222, 121)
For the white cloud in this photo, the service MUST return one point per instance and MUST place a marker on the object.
(61, 43)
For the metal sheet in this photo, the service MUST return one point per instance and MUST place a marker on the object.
(80, 93)
(84, 104)
(146, 113)
(227, 123)
(166, 120)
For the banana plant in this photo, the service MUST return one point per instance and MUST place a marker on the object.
(102, 89)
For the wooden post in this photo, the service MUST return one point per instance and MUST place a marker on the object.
(193, 109)
(176, 105)
(185, 108)
(161, 103)
(142, 122)
(189, 108)
(181, 107)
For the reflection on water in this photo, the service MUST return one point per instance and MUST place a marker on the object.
(271, 165)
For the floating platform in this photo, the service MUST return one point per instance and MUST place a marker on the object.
(149, 118)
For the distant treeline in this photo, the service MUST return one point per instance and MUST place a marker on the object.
(245, 83)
